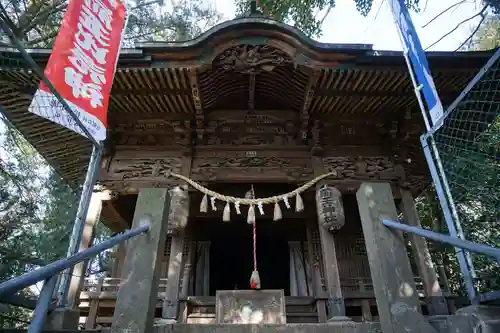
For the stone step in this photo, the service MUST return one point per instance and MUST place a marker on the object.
(8, 330)
(337, 327)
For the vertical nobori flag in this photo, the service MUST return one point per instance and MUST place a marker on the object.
(82, 66)
(413, 47)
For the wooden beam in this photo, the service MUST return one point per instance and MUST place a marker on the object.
(251, 91)
(150, 92)
(114, 215)
(370, 93)
(195, 93)
(308, 97)
(31, 89)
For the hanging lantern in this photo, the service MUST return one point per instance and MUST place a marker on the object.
(179, 209)
(329, 207)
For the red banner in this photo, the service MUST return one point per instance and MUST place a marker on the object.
(82, 66)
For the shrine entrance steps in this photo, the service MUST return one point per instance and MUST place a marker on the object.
(480, 319)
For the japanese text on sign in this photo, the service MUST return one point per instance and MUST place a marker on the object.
(82, 66)
(89, 51)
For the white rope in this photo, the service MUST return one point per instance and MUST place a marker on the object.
(248, 201)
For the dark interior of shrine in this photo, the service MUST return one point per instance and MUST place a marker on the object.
(231, 256)
(231, 243)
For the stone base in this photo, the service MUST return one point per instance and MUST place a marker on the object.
(339, 319)
(163, 322)
(437, 305)
(286, 328)
(476, 318)
(250, 307)
(440, 323)
(63, 319)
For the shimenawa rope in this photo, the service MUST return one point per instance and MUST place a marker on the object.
(251, 202)
(248, 201)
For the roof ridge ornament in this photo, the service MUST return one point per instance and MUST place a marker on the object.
(256, 8)
(251, 58)
(253, 7)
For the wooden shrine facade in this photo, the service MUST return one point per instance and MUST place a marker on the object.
(250, 99)
(251, 102)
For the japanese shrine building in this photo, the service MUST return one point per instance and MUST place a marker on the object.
(253, 102)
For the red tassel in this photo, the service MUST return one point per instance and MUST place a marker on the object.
(255, 280)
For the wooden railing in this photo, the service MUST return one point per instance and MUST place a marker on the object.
(361, 286)
(108, 287)
(98, 297)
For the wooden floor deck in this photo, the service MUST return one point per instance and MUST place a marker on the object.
(98, 299)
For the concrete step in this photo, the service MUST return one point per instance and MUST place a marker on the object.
(227, 328)
(337, 327)
(8, 330)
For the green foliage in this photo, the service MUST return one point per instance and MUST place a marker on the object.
(19, 211)
(37, 22)
(488, 35)
(472, 170)
(303, 14)
(494, 4)
(37, 211)
(183, 20)
(468, 145)
(36, 214)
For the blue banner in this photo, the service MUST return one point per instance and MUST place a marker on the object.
(416, 55)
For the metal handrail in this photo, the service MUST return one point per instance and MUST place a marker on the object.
(49, 275)
(441, 238)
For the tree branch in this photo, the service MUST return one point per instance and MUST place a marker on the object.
(32, 12)
(5, 17)
(148, 33)
(425, 6)
(326, 14)
(444, 11)
(483, 17)
(12, 178)
(481, 13)
(8, 255)
(44, 16)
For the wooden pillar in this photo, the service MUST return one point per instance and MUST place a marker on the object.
(178, 218)
(186, 282)
(91, 220)
(366, 311)
(317, 287)
(393, 282)
(137, 297)
(426, 270)
(119, 258)
(336, 304)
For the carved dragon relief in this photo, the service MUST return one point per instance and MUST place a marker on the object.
(365, 168)
(126, 169)
(252, 167)
(154, 132)
(251, 59)
(251, 128)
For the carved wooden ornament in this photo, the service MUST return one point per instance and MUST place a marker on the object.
(251, 59)
(329, 207)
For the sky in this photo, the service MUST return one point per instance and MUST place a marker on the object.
(345, 25)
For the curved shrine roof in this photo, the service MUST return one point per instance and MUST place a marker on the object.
(188, 80)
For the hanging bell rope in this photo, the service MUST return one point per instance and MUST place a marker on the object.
(255, 277)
